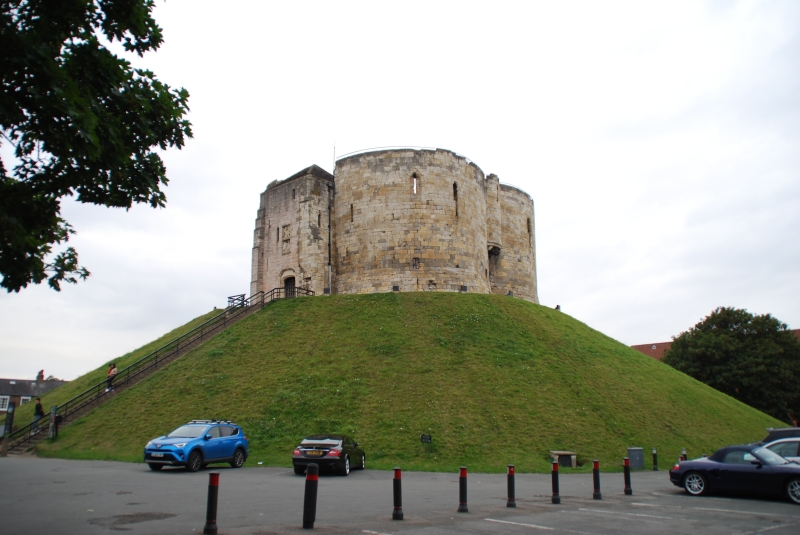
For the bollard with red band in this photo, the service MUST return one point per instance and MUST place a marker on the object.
(512, 500)
(683, 454)
(627, 469)
(211, 508)
(596, 478)
(655, 460)
(397, 514)
(556, 498)
(462, 490)
(310, 500)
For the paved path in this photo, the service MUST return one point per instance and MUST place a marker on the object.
(92, 497)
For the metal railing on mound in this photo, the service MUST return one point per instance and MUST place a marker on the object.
(237, 305)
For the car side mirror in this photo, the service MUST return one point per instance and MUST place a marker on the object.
(756, 463)
(207, 437)
(356, 444)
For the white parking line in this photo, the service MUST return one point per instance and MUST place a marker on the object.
(519, 524)
(715, 509)
(735, 511)
(768, 529)
(657, 505)
(626, 514)
(373, 532)
(534, 526)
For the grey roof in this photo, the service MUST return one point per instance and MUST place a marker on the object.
(27, 387)
(313, 170)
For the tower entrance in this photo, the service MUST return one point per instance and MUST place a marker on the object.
(288, 287)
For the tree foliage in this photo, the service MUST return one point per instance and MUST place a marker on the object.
(754, 359)
(81, 122)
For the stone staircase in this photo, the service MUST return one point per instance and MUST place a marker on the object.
(23, 440)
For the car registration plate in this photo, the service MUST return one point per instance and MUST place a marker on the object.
(314, 453)
(157, 454)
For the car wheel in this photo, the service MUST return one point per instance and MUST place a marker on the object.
(346, 465)
(195, 461)
(299, 470)
(793, 490)
(155, 467)
(695, 484)
(238, 459)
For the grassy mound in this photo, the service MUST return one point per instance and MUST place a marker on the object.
(71, 389)
(493, 379)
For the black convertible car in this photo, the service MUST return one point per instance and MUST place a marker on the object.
(745, 469)
(335, 452)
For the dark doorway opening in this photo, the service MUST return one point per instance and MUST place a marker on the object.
(494, 261)
(288, 287)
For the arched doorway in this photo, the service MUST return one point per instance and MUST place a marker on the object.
(288, 287)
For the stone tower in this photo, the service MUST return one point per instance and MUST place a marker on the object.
(399, 219)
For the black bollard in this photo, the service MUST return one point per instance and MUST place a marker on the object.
(512, 500)
(655, 460)
(397, 514)
(211, 508)
(310, 501)
(556, 498)
(627, 469)
(462, 490)
(596, 477)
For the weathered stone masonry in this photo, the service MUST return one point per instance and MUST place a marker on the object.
(415, 220)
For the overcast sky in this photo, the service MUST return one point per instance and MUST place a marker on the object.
(659, 141)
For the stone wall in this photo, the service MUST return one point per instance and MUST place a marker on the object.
(418, 220)
(410, 218)
(516, 263)
(292, 232)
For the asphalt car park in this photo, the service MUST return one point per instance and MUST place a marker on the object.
(62, 496)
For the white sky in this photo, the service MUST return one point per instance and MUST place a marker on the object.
(659, 141)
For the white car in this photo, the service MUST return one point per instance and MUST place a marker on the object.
(788, 448)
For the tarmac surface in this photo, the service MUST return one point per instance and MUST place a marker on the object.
(93, 497)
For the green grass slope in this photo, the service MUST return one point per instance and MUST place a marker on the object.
(71, 389)
(493, 379)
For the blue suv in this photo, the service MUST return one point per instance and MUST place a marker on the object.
(198, 443)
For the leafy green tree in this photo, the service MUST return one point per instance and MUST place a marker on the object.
(81, 122)
(754, 359)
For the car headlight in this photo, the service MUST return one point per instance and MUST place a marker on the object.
(148, 444)
(182, 444)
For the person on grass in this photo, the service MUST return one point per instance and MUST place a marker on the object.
(112, 371)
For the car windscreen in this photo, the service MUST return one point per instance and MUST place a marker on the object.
(188, 431)
(769, 457)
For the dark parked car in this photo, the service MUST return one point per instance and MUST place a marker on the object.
(744, 469)
(336, 452)
(197, 444)
(774, 434)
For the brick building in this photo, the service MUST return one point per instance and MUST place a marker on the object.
(21, 391)
(658, 349)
